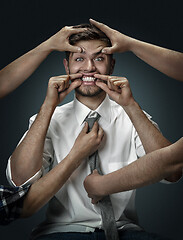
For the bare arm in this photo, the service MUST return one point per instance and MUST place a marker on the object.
(26, 160)
(146, 170)
(45, 188)
(119, 90)
(19, 70)
(165, 60)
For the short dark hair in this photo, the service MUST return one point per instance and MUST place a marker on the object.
(91, 33)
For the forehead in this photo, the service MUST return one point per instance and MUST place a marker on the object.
(90, 47)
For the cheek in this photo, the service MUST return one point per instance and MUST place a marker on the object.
(103, 68)
(74, 68)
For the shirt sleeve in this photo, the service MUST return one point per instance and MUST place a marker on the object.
(47, 160)
(11, 203)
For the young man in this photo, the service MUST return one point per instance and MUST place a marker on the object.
(24, 201)
(161, 163)
(70, 213)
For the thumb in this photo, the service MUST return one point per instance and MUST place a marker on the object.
(95, 171)
(109, 50)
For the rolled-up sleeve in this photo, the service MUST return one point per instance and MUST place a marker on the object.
(47, 161)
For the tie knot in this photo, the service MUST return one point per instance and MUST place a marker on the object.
(92, 118)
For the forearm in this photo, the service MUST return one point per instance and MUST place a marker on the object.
(47, 186)
(26, 160)
(150, 136)
(148, 169)
(167, 61)
(19, 70)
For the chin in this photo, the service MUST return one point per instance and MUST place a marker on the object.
(88, 91)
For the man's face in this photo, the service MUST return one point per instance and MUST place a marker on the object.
(89, 62)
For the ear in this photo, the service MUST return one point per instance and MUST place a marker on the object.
(113, 61)
(66, 65)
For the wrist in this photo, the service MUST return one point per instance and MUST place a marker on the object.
(103, 185)
(75, 157)
(132, 44)
(131, 107)
(48, 106)
(46, 46)
(128, 42)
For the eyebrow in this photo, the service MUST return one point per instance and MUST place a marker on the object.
(93, 54)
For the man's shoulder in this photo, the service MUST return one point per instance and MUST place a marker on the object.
(116, 108)
(63, 113)
(64, 108)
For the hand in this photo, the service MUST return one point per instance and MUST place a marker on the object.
(87, 142)
(60, 41)
(118, 88)
(92, 185)
(59, 87)
(120, 42)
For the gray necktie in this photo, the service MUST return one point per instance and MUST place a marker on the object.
(105, 205)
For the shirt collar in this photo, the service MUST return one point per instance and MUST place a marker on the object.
(81, 111)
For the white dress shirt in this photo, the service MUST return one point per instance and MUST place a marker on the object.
(71, 209)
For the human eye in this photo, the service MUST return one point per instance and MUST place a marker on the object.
(99, 59)
(79, 59)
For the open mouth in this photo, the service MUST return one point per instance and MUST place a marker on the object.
(88, 79)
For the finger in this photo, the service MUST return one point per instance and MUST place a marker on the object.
(109, 50)
(85, 128)
(102, 77)
(72, 31)
(103, 86)
(61, 85)
(95, 127)
(100, 133)
(112, 83)
(75, 76)
(119, 82)
(106, 89)
(94, 201)
(104, 28)
(74, 49)
(95, 171)
(76, 30)
(63, 81)
(72, 86)
(67, 81)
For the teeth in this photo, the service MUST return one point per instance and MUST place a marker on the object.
(88, 79)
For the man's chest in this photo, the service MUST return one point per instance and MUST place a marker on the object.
(114, 151)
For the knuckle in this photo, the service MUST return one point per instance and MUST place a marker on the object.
(125, 79)
(52, 79)
(93, 135)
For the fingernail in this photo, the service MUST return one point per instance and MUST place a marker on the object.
(79, 49)
(104, 51)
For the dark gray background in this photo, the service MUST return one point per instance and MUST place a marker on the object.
(25, 24)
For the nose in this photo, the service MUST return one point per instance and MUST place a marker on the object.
(89, 66)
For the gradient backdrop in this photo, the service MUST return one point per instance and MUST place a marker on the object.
(25, 24)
